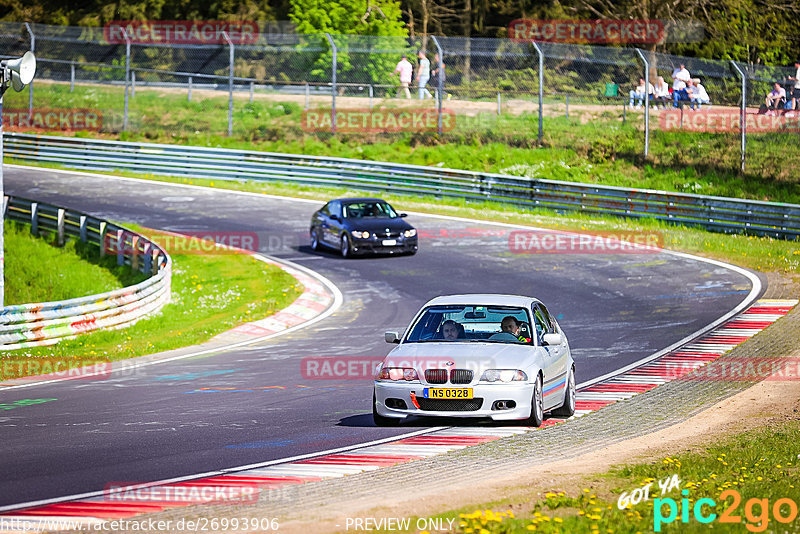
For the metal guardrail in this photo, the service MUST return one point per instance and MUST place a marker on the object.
(713, 213)
(30, 325)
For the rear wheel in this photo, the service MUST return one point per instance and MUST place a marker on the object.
(345, 248)
(568, 408)
(537, 404)
(380, 420)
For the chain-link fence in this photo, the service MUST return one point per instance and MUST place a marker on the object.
(282, 85)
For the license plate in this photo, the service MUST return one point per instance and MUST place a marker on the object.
(389, 242)
(447, 393)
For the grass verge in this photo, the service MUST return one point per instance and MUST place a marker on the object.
(58, 273)
(210, 294)
(590, 146)
(750, 483)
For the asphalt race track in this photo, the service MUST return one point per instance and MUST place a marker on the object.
(154, 424)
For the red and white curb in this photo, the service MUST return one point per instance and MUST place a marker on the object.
(92, 510)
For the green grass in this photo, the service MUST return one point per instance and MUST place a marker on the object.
(602, 150)
(57, 273)
(210, 294)
(759, 464)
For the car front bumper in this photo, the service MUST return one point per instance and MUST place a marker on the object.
(375, 246)
(520, 393)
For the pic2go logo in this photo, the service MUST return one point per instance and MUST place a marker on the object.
(756, 511)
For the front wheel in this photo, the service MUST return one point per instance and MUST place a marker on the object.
(315, 244)
(380, 420)
(345, 248)
(537, 404)
(568, 408)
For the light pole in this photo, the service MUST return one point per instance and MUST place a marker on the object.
(19, 73)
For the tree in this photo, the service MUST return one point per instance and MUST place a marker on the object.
(369, 36)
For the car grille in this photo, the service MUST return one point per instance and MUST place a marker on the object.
(450, 405)
(460, 376)
(436, 376)
(388, 235)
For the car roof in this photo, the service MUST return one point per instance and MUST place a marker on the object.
(359, 199)
(483, 299)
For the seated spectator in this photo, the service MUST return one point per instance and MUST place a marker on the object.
(661, 94)
(639, 95)
(680, 93)
(776, 99)
(698, 94)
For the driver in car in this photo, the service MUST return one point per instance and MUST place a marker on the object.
(449, 330)
(511, 325)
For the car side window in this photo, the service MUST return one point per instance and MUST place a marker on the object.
(548, 318)
(334, 209)
(326, 210)
(542, 326)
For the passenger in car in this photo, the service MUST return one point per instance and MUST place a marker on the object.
(510, 325)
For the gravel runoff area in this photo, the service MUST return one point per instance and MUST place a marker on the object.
(312, 507)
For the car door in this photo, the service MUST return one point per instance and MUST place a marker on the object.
(332, 226)
(556, 358)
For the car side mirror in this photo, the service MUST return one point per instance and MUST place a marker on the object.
(404, 215)
(552, 339)
(391, 337)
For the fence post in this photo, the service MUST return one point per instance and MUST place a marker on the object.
(60, 226)
(71, 76)
(133, 84)
(498, 103)
(251, 91)
(102, 233)
(440, 83)
(333, 83)
(83, 228)
(370, 97)
(189, 93)
(541, 87)
(35, 219)
(743, 112)
(230, 82)
(646, 102)
(30, 85)
(127, 77)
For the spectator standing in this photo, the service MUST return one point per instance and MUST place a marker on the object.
(438, 74)
(698, 94)
(423, 75)
(796, 88)
(404, 69)
(681, 74)
(661, 94)
(776, 99)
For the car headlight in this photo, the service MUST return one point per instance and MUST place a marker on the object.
(360, 235)
(503, 375)
(410, 233)
(398, 373)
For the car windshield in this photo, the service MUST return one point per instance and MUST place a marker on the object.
(361, 210)
(471, 323)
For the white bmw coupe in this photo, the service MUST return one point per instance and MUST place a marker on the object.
(497, 356)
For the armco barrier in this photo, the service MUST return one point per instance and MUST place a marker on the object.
(28, 325)
(713, 213)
